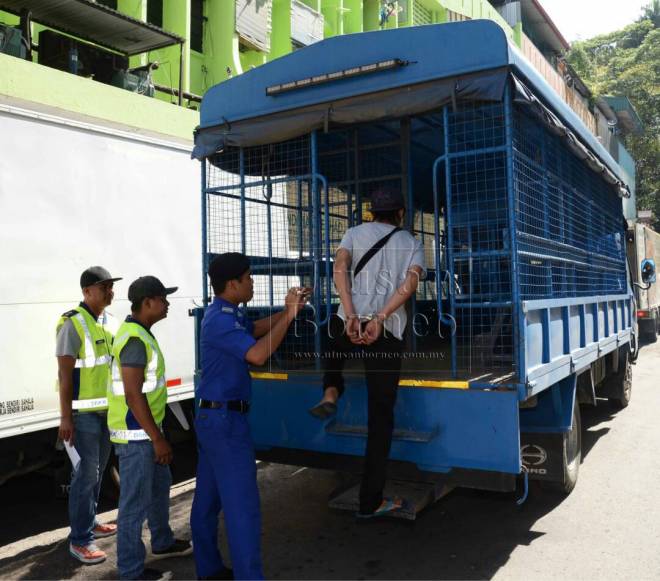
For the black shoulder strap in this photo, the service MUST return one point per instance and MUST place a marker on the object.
(373, 250)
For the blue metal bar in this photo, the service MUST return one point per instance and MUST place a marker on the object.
(564, 260)
(356, 176)
(269, 224)
(406, 165)
(272, 204)
(517, 320)
(583, 328)
(300, 218)
(261, 183)
(570, 301)
(316, 240)
(546, 209)
(545, 333)
(241, 165)
(436, 236)
(473, 152)
(596, 330)
(205, 288)
(565, 316)
(480, 253)
(348, 135)
(471, 303)
(523, 498)
(328, 272)
(450, 242)
(565, 247)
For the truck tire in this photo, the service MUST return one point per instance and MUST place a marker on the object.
(622, 384)
(651, 331)
(110, 484)
(571, 456)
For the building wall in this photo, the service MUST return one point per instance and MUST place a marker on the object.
(223, 53)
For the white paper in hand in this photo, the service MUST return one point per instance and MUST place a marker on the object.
(73, 455)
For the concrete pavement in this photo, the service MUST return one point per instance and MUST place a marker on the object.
(606, 529)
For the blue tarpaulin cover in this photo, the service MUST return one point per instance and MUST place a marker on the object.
(442, 63)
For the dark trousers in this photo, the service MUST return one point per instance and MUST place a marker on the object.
(227, 482)
(382, 366)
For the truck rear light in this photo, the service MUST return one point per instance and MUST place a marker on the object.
(173, 382)
(641, 314)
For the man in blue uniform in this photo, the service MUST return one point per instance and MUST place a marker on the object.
(226, 470)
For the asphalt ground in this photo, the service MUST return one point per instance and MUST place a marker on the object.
(608, 528)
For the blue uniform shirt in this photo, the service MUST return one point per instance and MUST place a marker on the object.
(226, 337)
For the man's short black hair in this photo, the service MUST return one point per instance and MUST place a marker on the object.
(219, 286)
(226, 267)
(389, 216)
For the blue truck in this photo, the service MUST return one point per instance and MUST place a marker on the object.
(526, 310)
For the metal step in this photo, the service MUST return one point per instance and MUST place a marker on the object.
(360, 431)
(417, 496)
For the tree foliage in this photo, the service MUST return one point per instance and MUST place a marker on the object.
(627, 62)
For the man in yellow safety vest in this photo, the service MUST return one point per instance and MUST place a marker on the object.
(83, 350)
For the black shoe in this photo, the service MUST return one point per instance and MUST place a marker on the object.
(224, 575)
(179, 548)
(149, 574)
(324, 410)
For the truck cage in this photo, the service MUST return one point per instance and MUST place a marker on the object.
(517, 206)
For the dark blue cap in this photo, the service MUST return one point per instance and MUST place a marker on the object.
(386, 200)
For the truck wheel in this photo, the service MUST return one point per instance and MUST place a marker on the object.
(623, 387)
(651, 334)
(110, 483)
(571, 456)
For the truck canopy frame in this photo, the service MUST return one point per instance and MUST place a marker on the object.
(517, 205)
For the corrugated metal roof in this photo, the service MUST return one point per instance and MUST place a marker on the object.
(306, 24)
(625, 112)
(545, 29)
(95, 23)
(253, 22)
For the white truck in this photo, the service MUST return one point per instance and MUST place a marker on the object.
(75, 194)
(644, 246)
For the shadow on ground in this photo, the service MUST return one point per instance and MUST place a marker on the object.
(467, 535)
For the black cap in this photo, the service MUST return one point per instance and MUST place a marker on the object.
(386, 200)
(228, 266)
(148, 286)
(95, 275)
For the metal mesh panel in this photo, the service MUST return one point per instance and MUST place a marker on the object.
(570, 228)
(269, 218)
(424, 230)
(480, 242)
(260, 200)
(569, 241)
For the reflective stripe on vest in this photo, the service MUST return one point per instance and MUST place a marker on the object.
(86, 404)
(91, 360)
(130, 435)
(147, 386)
(151, 382)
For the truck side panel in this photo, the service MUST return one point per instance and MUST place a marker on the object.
(74, 196)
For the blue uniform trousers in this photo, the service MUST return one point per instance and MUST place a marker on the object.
(226, 480)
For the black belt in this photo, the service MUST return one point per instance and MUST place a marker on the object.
(235, 405)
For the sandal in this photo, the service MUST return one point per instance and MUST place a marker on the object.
(324, 410)
(388, 505)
